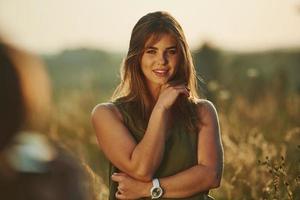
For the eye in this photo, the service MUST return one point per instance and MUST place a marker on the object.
(172, 51)
(150, 51)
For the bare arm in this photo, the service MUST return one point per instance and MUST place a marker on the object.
(207, 174)
(137, 160)
(199, 178)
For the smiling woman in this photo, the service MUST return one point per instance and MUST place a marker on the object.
(161, 139)
(159, 61)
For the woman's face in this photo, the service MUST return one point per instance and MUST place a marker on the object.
(159, 60)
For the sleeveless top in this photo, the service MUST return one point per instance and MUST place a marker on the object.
(180, 149)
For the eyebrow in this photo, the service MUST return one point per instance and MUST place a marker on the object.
(151, 47)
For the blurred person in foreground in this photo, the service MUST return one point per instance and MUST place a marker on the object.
(162, 140)
(32, 167)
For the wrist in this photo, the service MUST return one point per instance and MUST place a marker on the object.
(160, 107)
(156, 191)
(146, 189)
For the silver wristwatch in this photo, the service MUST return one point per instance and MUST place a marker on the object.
(156, 191)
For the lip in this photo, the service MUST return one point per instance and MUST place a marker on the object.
(160, 72)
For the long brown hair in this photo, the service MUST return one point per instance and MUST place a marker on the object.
(133, 87)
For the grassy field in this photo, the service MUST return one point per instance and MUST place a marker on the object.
(259, 117)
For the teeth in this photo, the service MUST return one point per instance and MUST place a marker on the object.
(160, 71)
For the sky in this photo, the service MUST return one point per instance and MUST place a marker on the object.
(50, 26)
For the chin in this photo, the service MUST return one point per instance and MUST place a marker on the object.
(162, 82)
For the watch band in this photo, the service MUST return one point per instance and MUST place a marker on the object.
(156, 191)
(155, 182)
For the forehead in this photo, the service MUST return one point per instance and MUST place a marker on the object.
(160, 39)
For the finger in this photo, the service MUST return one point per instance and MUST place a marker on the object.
(178, 90)
(164, 86)
(174, 83)
(115, 177)
(119, 195)
(122, 174)
(183, 91)
(120, 189)
(180, 86)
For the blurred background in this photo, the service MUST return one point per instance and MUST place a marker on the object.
(246, 52)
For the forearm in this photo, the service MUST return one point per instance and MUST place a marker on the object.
(182, 185)
(189, 182)
(148, 153)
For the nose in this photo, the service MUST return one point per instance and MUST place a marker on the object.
(162, 59)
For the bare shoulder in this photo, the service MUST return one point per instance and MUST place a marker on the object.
(105, 110)
(206, 110)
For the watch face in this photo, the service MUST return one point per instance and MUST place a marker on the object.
(156, 192)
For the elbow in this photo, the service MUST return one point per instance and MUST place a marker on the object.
(215, 180)
(216, 183)
(142, 173)
(143, 176)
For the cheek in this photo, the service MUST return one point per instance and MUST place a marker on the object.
(174, 61)
(146, 62)
(142, 64)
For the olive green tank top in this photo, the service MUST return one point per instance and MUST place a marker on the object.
(180, 149)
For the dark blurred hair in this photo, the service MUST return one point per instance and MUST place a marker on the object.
(12, 106)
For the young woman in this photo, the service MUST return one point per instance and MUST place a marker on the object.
(162, 140)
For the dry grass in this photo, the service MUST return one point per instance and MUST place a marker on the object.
(261, 143)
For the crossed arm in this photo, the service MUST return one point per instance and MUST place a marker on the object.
(138, 167)
(137, 160)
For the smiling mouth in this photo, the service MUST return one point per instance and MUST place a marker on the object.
(161, 72)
